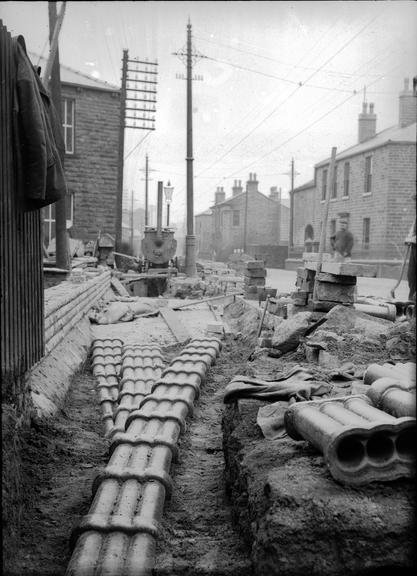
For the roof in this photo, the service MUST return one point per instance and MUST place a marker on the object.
(71, 76)
(394, 134)
(233, 198)
(207, 212)
(305, 186)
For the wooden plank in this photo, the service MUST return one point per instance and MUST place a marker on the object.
(175, 325)
(350, 269)
(118, 286)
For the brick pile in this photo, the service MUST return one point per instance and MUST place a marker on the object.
(254, 277)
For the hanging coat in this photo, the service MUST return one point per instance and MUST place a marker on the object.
(38, 141)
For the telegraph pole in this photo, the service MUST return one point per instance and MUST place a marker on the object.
(52, 79)
(190, 240)
(292, 174)
(137, 95)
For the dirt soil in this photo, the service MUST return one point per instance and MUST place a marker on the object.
(198, 536)
(61, 460)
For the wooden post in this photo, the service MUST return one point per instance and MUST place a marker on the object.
(330, 183)
(53, 82)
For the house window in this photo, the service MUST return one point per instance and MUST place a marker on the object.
(346, 178)
(334, 187)
(324, 185)
(236, 218)
(366, 232)
(332, 227)
(68, 110)
(49, 219)
(368, 175)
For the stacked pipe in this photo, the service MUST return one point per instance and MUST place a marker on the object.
(106, 360)
(69, 305)
(118, 536)
(393, 387)
(359, 442)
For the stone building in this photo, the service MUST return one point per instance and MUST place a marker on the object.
(248, 221)
(90, 118)
(374, 184)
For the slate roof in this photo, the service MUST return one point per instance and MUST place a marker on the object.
(71, 76)
(394, 134)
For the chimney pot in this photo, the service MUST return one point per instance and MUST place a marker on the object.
(254, 176)
(371, 108)
(364, 107)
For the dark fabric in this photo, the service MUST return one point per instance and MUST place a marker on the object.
(297, 384)
(38, 140)
(342, 242)
(411, 274)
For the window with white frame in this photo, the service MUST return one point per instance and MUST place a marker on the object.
(68, 124)
(49, 219)
(368, 175)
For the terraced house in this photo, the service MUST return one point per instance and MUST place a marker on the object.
(247, 220)
(90, 118)
(374, 184)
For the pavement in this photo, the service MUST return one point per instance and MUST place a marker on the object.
(284, 281)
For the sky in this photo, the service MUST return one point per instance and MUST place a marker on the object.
(281, 80)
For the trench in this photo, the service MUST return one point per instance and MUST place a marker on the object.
(62, 457)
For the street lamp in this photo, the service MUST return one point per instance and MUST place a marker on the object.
(168, 191)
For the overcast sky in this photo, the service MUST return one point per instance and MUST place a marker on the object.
(280, 80)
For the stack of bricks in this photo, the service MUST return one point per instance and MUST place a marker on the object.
(254, 277)
(335, 283)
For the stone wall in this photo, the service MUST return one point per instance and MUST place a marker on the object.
(92, 170)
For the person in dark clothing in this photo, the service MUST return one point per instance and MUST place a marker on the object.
(411, 274)
(342, 242)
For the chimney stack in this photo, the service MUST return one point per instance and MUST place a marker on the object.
(366, 123)
(220, 195)
(237, 187)
(273, 194)
(252, 183)
(407, 108)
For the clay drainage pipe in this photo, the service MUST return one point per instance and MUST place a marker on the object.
(359, 442)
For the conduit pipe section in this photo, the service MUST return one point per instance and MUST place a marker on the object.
(118, 536)
(359, 442)
(393, 388)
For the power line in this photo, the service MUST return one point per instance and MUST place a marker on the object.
(293, 92)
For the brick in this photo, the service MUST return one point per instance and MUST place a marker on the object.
(254, 281)
(255, 273)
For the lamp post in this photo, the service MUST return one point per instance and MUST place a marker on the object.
(168, 191)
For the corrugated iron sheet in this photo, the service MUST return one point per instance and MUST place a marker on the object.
(21, 257)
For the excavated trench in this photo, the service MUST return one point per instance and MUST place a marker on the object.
(61, 459)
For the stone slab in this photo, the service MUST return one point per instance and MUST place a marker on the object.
(350, 269)
(254, 281)
(255, 273)
(255, 265)
(336, 278)
(341, 293)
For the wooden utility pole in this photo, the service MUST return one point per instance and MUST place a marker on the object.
(245, 223)
(330, 184)
(292, 205)
(146, 190)
(190, 239)
(190, 247)
(119, 193)
(131, 221)
(53, 82)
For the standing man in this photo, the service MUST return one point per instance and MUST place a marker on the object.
(411, 274)
(342, 242)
